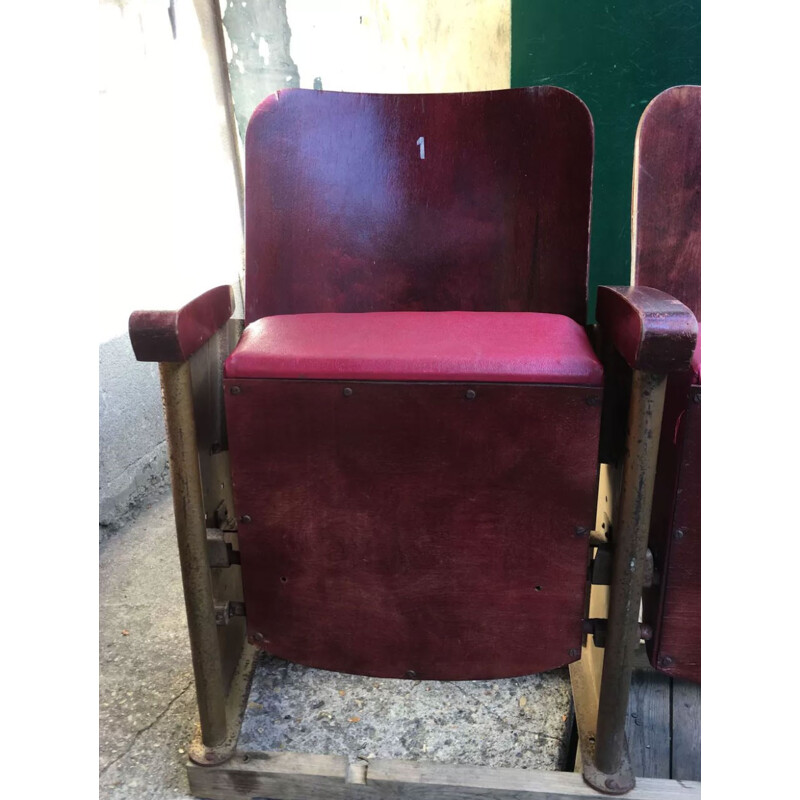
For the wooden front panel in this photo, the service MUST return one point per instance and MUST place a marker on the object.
(406, 530)
(666, 196)
(343, 213)
(673, 607)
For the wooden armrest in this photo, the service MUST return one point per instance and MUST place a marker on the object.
(652, 330)
(177, 335)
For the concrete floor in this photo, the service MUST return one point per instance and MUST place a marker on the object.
(147, 702)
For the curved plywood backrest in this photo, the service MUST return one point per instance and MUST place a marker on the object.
(666, 196)
(367, 202)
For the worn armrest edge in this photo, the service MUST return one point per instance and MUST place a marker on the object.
(650, 329)
(176, 335)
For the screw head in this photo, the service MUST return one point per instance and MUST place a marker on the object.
(348, 392)
(471, 394)
(258, 637)
(236, 389)
(411, 674)
(581, 531)
(573, 653)
(679, 534)
(247, 518)
(665, 661)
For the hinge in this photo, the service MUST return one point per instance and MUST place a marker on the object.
(221, 551)
(224, 610)
(600, 568)
(599, 627)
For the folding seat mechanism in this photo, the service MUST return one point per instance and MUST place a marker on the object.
(600, 567)
(221, 548)
(598, 628)
(224, 610)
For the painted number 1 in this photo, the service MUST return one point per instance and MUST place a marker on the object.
(421, 145)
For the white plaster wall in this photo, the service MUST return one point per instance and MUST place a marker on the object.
(402, 45)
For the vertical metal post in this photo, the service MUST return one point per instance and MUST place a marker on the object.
(190, 524)
(629, 542)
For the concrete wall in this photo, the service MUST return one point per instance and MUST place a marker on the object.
(170, 224)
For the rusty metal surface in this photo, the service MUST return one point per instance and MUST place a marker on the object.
(205, 754)
(190, 524)
(207, 400)
(631, 527)
(584, 677)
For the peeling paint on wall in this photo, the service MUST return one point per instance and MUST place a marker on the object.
(366, 46)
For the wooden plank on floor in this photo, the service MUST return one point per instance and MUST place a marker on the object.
(685, 730)
(298, 776)
(648, 725)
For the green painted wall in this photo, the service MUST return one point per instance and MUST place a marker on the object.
(616, 56)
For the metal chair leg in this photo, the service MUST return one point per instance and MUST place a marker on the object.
(607, 768)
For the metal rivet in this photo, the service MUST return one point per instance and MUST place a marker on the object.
(247, 518)
(645, 631)
(258, 637)
(470, 394)
(411, 674)
(236, 389)
(679, 533)
(348, 392)
(665, 661)
(573, 653)
(581, 531)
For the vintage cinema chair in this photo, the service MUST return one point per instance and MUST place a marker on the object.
(666, 256)
(411, 414)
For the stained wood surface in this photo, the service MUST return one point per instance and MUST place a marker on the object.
(650, 329)
(174, 336)
(673, 607)
(409, 530)
(344, 214)
(666, 196)
(299, 776)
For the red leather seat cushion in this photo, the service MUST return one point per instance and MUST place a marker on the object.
(513, 347)
(696, 357)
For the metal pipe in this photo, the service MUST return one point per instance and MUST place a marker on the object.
(629, 543)
(190, 524)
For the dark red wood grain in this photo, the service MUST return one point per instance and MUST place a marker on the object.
(666, 223)
(650, 329)
(408, 529)
(673, 607)
(177, 335)
(666, 206)
(342, 213)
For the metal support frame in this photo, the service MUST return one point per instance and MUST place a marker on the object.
(222, 660)
(190, 525)
(605, 763)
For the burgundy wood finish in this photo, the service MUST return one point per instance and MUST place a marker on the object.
(666, 189)
(405, 529)
(177, 335)
(418, 345)
(651, 330)
(673, 607)
(343, 214)
(666, 224)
